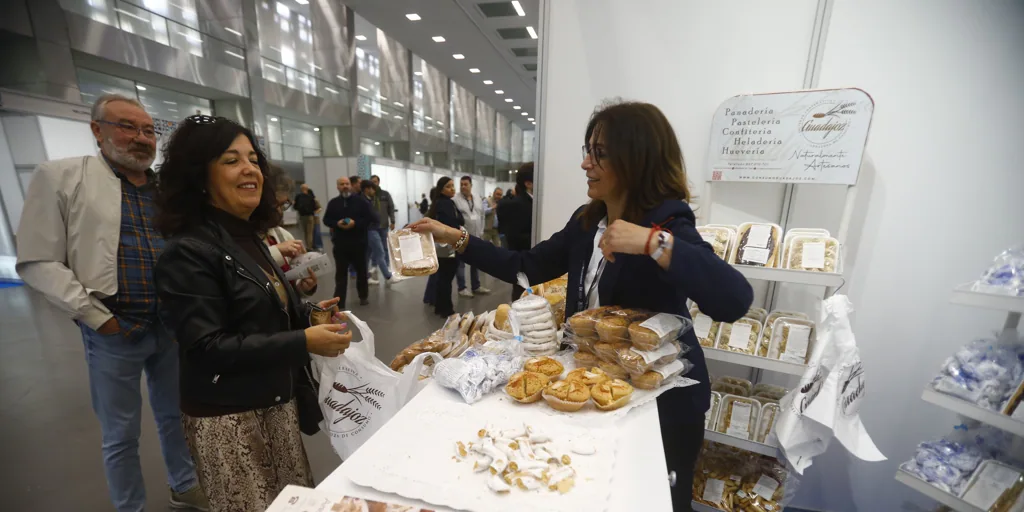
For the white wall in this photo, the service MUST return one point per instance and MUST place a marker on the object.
(940, 189)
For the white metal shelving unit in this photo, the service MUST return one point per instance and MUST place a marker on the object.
(700, 507)
(763, 363)
(785, 275)
(1013, 306)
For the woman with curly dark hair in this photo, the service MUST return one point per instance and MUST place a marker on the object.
(244, 337)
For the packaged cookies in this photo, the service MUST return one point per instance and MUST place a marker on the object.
(766, 422)
(738, 416)
(791, 340)
(609, 351)
(712, 413)
(728, 389)
(766, 333)
(638, 362)
(705, 328)
(657, 376)
(736, 381)
(652, 332)
(719, 237)
(813, 254)
(740, 336)
(412, 254)
(758, 245)
(795, 232)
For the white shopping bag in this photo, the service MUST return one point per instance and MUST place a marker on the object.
(359, 393)
(827, 402)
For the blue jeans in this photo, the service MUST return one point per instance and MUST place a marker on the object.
(460, 276)
(377, 253)
(115, 369)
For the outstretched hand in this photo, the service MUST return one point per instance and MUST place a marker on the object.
(442, 233)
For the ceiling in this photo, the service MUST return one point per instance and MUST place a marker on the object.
(489, 33)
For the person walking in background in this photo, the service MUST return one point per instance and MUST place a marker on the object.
(375, 244)
(516, 217)
(424, 206)
(244, 336)
(443, 210)
(385, 207)
(92, 254)
(473, 214)
(349, 216)
(491, 217)
(306, 206)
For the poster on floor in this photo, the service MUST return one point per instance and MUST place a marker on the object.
(791, 137)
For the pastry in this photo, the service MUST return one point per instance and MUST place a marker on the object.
(638, 361)
(585, 359)
(612, 328)
(611, 395)
(466, 323)
(584, 322)
(566, 396)
(545, 365)
(813, 254)
(609, 351)
(412, 254)
(659, 374)
(747, 333)
(526, 387)
(769, 324)
(758, 245)
(711, 416)
(738, 416)
(736, 381)
(728, 389)
(587, 377)
(653, 332)
(719, 238)
(584, 344)
(792, 340)
(501, 317)
(704, 328)
(613, 370)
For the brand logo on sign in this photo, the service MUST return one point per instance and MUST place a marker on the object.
(827, 121)
(852, 389)
(354, 407)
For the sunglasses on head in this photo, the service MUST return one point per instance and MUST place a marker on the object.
(204, 119)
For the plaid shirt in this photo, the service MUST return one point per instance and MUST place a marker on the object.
(135, 303)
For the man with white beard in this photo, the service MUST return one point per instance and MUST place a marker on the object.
(87, 242)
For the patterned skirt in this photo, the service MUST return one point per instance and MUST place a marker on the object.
(244, 460)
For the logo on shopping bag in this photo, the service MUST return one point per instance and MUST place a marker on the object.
(852, 389)
(809, 391)
(353, 406)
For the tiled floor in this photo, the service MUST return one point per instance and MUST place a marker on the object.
(49, 438)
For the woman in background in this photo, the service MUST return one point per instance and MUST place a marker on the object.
(244, 337)
(282, 245)
(443, 210)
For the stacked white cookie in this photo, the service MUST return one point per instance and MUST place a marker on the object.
(536, 325)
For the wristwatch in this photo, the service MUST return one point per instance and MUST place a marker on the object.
(663, 238)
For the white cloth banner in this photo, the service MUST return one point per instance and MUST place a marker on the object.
(828, 400)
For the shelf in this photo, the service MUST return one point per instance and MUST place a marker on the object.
(772, 365)
(965, 408)
(783, 275)
(700, 507)
(965, 296)
(934, 493)
(743, 444)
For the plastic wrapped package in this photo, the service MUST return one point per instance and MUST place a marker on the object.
(536, 325)
(585, 359)
(984, 372)
(733, 480)
(704, 328)
(1005, 275)
(769, 390)
(614, 325)
(813, 254)
(758, 314)
(738, 416)
(759, 245)
(638, 362)
(652, 332)
(609, 351)
(739, 336)
(766, 333)
(795, 232)
(613, 370)
(792, 340)
(654, 378)
(994, 487)
(711, 416)
(584, 323)
(764, 395)
(728, 389)
(480, 370)
(766, 423)
(720, 239)
(299, 266)
(412, 254)
(582, 344)
(949, 462)
(745, 384)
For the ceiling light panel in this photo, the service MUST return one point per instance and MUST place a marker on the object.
(474, 70)
(532, 32)
(518, 7)
(438, 39)
(458, 56)
(413, 16)
(488, 82)
(361, 38)
(499, 91)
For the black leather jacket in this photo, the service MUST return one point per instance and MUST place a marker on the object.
(240, 347)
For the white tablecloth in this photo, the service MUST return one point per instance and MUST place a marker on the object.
(640, 481)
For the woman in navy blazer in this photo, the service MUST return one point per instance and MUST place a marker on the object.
(637, 239)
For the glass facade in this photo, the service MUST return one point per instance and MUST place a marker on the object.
(291, 141)
(286, 51)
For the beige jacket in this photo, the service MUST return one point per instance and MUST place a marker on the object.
(69, 233)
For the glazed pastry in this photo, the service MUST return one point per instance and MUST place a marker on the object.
(585, 359)
(526, 387)
(566, 396)
(611, 395)
(545, 365)
(587, 377)
(613, 370)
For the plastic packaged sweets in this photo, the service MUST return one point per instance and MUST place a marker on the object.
(638, 362)
(792, 340)
(764, 395)
(535, 321)
(984, 372)
(300, 266)
(645, 330)
(740, 336)
(795, 232)
(759, 245)
(704, 328)
(738, 416)
(1006, 274)
(711, 416)
(766, 423)
(728, 389)
(813, 254)
(654, 378)
(734, 480)
(736, 381)
(758, 314)
(412, 254)
(766, 333)
(994, 487)
(719, 237)
(949, 462)
(769, 388)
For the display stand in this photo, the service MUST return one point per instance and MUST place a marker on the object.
(964, 295)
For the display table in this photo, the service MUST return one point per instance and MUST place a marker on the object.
(641, 477)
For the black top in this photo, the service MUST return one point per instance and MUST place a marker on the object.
(243, 234)
(446, 213)
(355, 207)
(637, 281)
(305, 204)
(515, 220)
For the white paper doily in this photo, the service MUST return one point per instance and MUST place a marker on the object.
(413, 456)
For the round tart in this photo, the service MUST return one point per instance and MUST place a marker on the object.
(566, 396)
(611, 395)
(545, 365)
(587, 377)
(526, 387)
